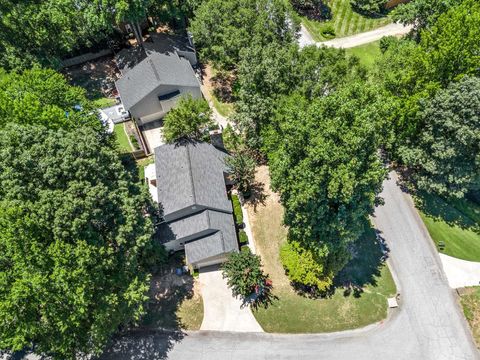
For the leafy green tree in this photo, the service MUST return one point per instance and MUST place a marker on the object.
(42, 32)
(369, 7)
(73, 234)
(446, 154)
(242, 168)
(323, 160)
(266, 73)
(422, 13)
(190, 119)
(221, 29)
(305, 266)
(43, 97)
(244, 274)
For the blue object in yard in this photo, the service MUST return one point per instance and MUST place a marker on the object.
(179, 271)
(78, 107)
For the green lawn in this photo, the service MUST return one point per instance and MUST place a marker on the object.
(102, 103)
(141, 164)
(455, 223)
(344, 21)
(470, 301)
(224, 109)
(367, 53)
(122, 140)
(292, 313)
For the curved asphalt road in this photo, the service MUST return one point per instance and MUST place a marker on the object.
(428, 325)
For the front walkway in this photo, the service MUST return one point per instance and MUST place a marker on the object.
(223, 312)
(460, 273)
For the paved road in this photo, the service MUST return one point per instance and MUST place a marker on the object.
(355, 40)
(428, 325)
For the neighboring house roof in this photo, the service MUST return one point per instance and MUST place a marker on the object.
(191, 174)
(126, 59)
(155, 70)
(193, 199)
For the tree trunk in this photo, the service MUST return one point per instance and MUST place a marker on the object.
(138, 32)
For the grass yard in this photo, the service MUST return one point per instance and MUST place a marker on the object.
(470, 301)
(141, 164)
(103, 102)
(456, 223)
(122, 139)
(224, 109)
(292, 313)
(344, 21)
(367, 53)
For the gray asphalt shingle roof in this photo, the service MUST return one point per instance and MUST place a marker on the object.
(190, 174)
(205, 248)
(193, 197)
(155, 70)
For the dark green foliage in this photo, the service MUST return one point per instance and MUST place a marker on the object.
(323, 161)
(266, 73)
(426, 126)
(369, 7)
(243, 271)
(43, 97)
(237, 209)
(242, 237)
(446, 154)
(190, 120)
(73, 240)
(242, 167)
(422, 13)
(221, 29)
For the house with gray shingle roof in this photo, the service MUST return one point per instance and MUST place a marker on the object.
(191, 181)
(150, 88)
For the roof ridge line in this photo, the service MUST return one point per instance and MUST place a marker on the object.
(190, 174)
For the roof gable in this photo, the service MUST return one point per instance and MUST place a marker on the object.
(154, 71)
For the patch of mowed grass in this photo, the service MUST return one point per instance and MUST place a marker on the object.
(453, 223)
(367, 53)
(122, 139)
(470, 301)
(345, 21)
(293, 313)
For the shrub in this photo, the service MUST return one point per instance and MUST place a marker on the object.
(369, 7)
(243, 271)
(328, 31)
(242, 168)
(237, 209)
(243, 238)
(304, 267)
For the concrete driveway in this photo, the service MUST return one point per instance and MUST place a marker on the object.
(428, 325)
(221, 311)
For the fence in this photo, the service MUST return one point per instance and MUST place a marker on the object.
(77, 60)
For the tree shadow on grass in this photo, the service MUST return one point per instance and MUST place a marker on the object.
(369, 253)
(455, 212)
(258, 195)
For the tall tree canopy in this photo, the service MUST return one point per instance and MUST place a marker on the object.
(73, 236)
(266, 73)
(412, 74)
(422, 13)
(446, 154)
(43, 97)
(222, 29)
(323, 161)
